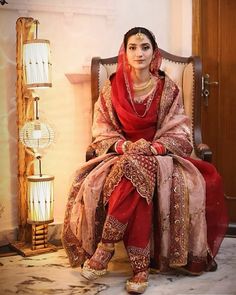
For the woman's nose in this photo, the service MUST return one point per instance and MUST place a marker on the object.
(139, 52)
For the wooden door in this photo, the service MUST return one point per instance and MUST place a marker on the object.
(214, 39)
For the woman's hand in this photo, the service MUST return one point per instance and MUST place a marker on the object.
(141, 146)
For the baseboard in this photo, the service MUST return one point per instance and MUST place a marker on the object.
(231, 231)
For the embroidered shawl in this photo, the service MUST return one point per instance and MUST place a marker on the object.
(181, 187)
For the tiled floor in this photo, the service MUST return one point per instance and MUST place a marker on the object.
(51, 274)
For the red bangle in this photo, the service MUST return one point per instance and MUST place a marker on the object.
(118, 147)
(161, 150)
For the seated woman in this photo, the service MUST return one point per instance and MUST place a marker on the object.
(143, 187)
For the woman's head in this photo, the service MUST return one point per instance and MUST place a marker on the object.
(139, 31)
(139, 45)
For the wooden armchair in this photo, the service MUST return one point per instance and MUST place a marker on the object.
(186, 72)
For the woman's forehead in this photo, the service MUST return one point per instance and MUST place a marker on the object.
(137, 39)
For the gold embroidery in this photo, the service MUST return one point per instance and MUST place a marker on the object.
(178, 146)
(102, 147)
(167, 98)
(179, 219)
(180, 143)
(141, 170)
(113, 230)
(105, 110)
(73, 247)
(113, 178)
(139, 258)
(106, 94)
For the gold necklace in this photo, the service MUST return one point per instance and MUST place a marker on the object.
(148, 105)
(143, 91)
(143, 87)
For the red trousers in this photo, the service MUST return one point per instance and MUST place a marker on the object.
(129, 219)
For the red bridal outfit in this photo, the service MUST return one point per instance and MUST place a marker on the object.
(167, 208)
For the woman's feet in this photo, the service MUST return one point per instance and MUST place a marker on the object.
(138, 283)
(96, 266)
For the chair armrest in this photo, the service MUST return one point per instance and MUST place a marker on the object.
(204, 152)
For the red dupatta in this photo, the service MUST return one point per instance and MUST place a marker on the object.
(134, 126)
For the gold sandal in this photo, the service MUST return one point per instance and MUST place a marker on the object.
(138, 287)
(102, 256)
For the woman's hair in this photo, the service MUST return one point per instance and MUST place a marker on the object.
(142, 30)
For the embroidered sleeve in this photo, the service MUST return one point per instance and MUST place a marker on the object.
(105, 130)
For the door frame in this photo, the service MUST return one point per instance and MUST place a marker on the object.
(197, 50)
(196, 27)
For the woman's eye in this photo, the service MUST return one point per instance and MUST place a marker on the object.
(146, 47)
(132, 48)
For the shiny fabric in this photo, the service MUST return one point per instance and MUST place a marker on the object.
(216, 211)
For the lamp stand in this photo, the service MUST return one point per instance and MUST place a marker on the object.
(39, 242)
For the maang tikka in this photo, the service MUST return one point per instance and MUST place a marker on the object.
(139, 36)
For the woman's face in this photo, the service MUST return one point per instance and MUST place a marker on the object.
(139, 51)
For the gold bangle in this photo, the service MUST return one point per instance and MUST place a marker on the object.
(115, 145)
(153, 150)
(125, 145)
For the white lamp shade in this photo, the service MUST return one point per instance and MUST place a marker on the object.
(40, 199)
(37, 63)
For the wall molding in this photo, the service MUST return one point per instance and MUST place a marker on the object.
(105, 9)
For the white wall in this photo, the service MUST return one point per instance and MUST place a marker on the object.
(77, 31)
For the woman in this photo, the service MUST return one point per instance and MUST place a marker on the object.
(142, 187)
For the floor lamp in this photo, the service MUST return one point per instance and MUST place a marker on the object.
(36, 200)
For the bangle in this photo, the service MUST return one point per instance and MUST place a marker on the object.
(160, 149)
(125, 146)
(153, 150)
(119, 146)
